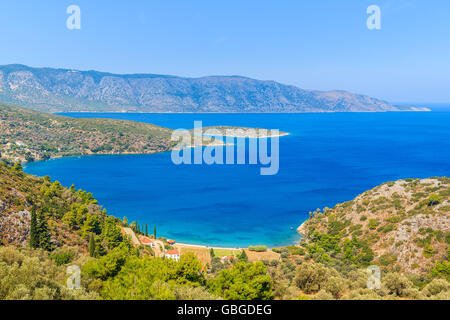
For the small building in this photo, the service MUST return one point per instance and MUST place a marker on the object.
(173, 254)
(171, 242)
(226, 258)
(148, 242)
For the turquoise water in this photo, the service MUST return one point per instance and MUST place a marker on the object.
(327, 159)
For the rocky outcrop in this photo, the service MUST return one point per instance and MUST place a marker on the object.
(406, 223)
(14, 226)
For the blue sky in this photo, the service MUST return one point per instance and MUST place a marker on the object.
(320, 44)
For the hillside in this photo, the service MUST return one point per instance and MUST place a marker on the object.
(405, 224)
(27, 135)
(61, 90)
(71, 228)
(21, 193)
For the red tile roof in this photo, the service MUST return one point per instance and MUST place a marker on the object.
(146, 240)
(172, 252)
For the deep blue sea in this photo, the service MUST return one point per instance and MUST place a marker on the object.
(327, 159)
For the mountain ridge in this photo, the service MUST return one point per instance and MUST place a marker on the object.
(68, 90)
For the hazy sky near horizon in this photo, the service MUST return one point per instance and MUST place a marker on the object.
(315, 44)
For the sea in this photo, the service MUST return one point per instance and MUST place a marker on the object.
(328, 158)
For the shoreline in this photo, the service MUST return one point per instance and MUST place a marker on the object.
(284, 134)
(207, 247)
(301, 229)
(230, 112)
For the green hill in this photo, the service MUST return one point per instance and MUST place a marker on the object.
(28, 135)
(45, 227)
(402, 225)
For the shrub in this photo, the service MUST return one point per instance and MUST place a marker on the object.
(311, 277)
(434, 199)
(336, 286)
(63, 257)
(193, 293)
(436, 286)
(257, 248)
(441, 270)
(428, 251)
(373, 224)
(396, 284)
(245, 281)
(30, 275)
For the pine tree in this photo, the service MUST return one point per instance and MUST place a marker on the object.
(43, 232)
(99, 250)
(34, 235)
(243, 256)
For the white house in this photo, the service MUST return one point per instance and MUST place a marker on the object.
(148, 242)
(173, 254)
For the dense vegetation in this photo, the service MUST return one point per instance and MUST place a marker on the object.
(27, 135)
(45, 228)
(403, 225)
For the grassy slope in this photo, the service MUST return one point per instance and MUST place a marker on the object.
(30, 135)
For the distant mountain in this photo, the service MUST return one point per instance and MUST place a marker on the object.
(62, 90)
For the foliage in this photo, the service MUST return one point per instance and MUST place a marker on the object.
(441, 270)
(45, 135)
(153, 278)
(242, 257)
(244, 281)
(31, 275)
(109, 265)
(396, 284)
(63, 256)
(434, 199)
(257, 248)
(311, 277)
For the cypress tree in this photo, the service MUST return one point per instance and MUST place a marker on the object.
(146, 230)
(154, 231)
(34, 235)
(243, 256)
(92, 245)
(44, 234)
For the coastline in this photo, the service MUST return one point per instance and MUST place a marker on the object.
(205, 247)
(301, 229)
(413, 109)
(282, 134)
